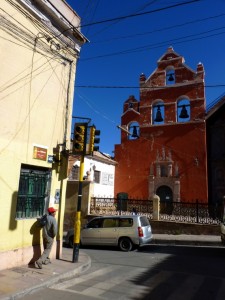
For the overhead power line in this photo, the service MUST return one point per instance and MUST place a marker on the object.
(139, 14)
(135, 87)
(180, 40)
(160, 29)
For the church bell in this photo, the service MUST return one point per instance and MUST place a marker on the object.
(134, 134)
(158, 117)
(183, 113)
(170, 78)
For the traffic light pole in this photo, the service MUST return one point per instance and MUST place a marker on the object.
(81, 135)
(77, 224)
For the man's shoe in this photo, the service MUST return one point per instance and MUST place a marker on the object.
(47, 261)
(38, 264)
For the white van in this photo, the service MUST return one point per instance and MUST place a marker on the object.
(126, 232)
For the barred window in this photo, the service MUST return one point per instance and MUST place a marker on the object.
(97, 176)
(33, 193)
(74, 174)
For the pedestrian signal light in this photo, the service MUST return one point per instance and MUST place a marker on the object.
(79, 140)
(93, 139)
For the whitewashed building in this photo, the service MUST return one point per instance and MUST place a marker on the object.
(98, 181)
(99, 169)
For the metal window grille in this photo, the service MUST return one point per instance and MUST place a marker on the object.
(33, 193)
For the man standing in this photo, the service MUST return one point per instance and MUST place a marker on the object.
(49, 232)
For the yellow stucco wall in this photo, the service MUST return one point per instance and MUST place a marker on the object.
(33, 100)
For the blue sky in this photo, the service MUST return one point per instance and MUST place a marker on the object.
(120, 50)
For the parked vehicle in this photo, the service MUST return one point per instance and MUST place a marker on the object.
(222, 232)
(126, 232)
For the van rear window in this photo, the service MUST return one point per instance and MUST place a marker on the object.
(144, 221)
(126, 222)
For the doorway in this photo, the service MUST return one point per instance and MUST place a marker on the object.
(166, 199)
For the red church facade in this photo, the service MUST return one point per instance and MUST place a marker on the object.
(165, 154)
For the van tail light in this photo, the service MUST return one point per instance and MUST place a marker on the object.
(140, 232)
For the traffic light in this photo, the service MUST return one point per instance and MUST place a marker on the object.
(93, 139)
(79, 138)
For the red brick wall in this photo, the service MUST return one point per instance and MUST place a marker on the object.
(185, 141)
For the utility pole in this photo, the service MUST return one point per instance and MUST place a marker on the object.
(84, 143)
(79, 147)
(77, 225)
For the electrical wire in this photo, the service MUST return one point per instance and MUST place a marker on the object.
(93, 13)
(159, 45)
(138, 87)
(102, 114)
(127, 16)
(21, 34)
(41, 27)
(24, 36)
(160, 29)
(117, 21)
(140, 14)
(150, 139)
(27, 116)
(29, 100)
(41, 69)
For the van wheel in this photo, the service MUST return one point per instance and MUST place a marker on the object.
(125, 244)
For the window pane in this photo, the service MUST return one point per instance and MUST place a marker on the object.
(128, 222)
(95, 224)
(110, 223)
(144, 221)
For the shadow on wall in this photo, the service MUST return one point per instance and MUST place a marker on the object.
(35, 230)
(12, 219)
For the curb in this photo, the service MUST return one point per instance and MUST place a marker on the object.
(177, 242)
(59, 278)
(184, 243)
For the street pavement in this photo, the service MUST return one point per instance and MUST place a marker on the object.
(18, 281)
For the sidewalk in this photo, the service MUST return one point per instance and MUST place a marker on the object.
(16, 282)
